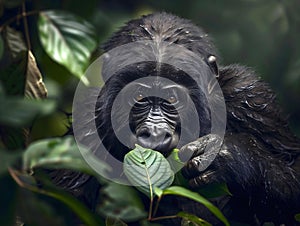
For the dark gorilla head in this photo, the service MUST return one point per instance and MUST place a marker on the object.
(144, 103)
(148, 100)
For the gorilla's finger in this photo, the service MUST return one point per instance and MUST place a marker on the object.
(191, 169)
(203, 179)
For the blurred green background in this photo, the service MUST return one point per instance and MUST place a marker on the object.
(264, 35)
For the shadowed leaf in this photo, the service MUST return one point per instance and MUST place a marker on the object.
(34, 86)
(122, 202)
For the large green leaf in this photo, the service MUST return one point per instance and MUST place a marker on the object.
(176, 190)
(147, 169)
(16, 111)
(68, 39)
(59, 153)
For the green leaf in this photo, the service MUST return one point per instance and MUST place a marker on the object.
(67, 39)
(121, 202)
(59, 153)
(174, 160)
(147, 169)
(114, 222)
(13, 74)
(15, 41)
(297, 217)
(21, 112)
(176, 190)
(158, 191)
(190, 219)
(180, 180)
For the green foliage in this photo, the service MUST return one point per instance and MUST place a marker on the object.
(176, 190)
(19, 112)
(61, 153)
(152, 174)
(67, 39)
(192, 220)
(174, 160)
(147, 169)
(54, 153)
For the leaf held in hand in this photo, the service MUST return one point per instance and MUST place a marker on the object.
(147, 169)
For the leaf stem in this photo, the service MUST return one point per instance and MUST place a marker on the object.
(156, 206)
(26, 30)
(151, 206)
(164, 217)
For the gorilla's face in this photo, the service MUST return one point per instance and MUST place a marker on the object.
(149, 104)
(154, 117)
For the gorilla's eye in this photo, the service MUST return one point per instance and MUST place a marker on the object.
(139, 97)
(172, 99)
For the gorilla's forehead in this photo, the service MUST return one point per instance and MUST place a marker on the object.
(155, 82)
(149, 58)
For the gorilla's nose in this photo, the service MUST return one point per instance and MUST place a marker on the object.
(155, 137)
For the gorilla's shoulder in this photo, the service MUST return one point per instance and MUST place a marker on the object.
(251, 101)
(237, 77)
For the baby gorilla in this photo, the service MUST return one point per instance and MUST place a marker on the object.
(258, 158)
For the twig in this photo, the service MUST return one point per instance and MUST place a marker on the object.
(26, 25)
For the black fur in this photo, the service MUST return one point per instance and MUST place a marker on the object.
(259, 158)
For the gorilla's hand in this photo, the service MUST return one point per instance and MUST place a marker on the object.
(214, 161)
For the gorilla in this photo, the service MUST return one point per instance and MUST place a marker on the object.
(257, 156)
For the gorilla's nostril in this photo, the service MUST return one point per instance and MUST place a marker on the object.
(168, 135)
(143, 133)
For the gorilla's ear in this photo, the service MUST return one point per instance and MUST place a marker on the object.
(212, 63)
